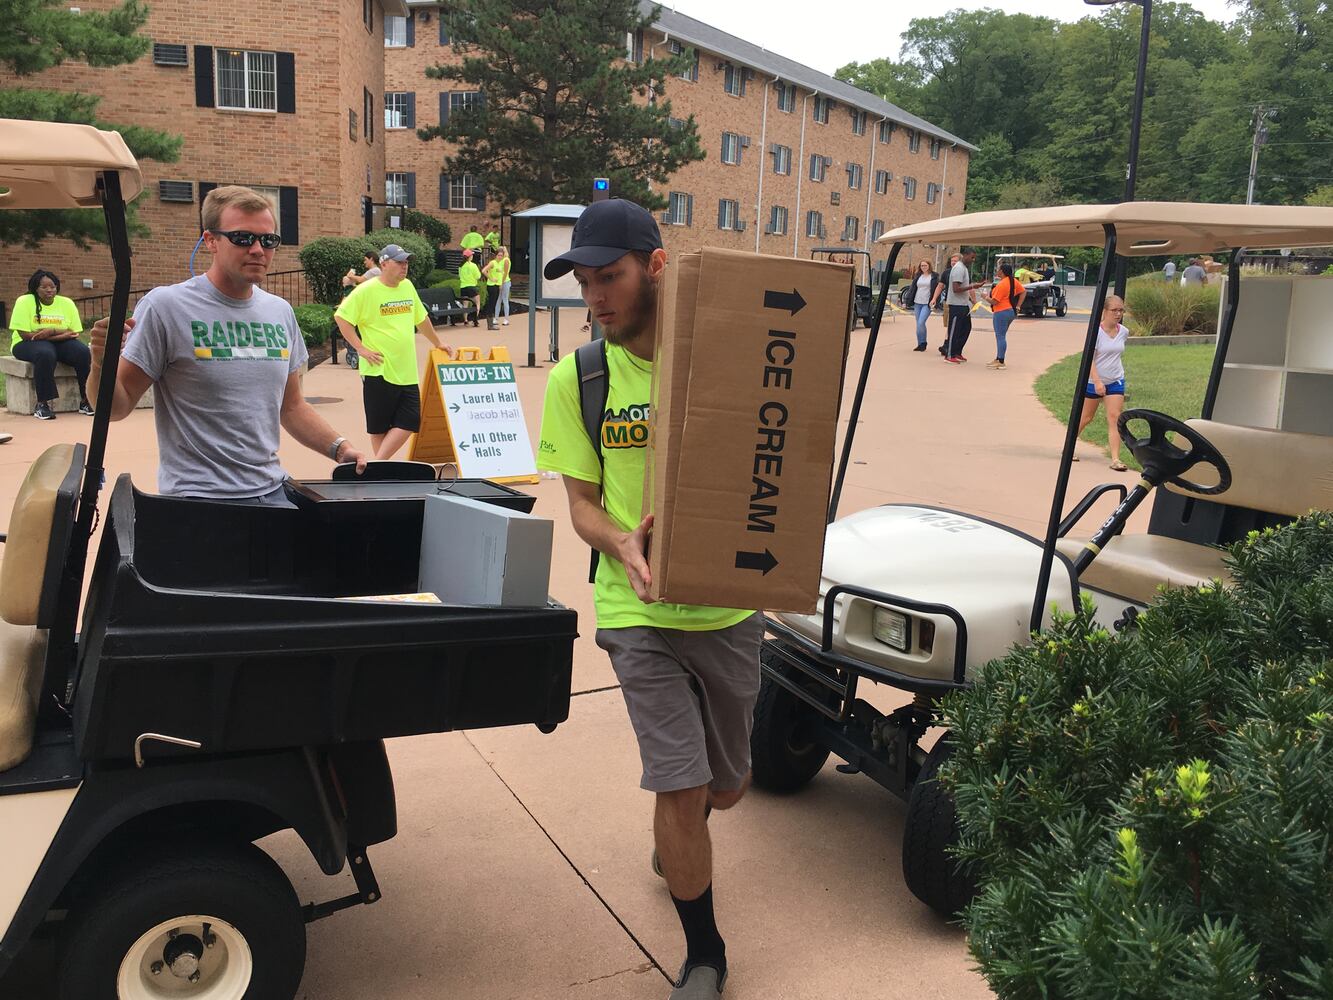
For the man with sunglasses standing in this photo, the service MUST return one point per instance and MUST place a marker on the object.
(224, 359)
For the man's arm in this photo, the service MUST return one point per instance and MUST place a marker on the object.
(131, 380)
(595, 527)
(349, 334)
(301, 421)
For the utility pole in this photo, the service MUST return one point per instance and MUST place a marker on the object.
(1259, 122)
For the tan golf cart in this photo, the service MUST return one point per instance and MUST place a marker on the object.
(918, 597)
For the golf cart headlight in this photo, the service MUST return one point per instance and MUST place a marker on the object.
(891, 628)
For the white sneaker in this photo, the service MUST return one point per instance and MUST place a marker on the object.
(504, 322)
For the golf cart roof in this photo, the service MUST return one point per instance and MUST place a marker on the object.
(1040, 256)
(54, 165)
(1143, 228)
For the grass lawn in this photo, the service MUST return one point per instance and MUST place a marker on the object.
(1169, 379)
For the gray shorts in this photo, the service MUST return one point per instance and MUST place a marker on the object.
(691, 700)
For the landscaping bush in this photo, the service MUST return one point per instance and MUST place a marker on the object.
(327, 258)
(316, 322)
(435, 230)
(1151, 812)
(437, 278)
(1160, 308)
(452, 282)
(422, 251)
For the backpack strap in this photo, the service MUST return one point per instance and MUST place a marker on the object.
(594, 389)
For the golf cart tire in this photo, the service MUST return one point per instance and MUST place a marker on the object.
(1039, 310)
(1061, 307)
(235, 883)
(930, 870)
(777, 765)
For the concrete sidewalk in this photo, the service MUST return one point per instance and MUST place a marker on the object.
(521, 865)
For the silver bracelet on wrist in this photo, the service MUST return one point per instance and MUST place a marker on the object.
(336, 446)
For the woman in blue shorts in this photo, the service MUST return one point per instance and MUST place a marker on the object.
(1108, 376)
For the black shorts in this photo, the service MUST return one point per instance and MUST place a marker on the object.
(390, 405)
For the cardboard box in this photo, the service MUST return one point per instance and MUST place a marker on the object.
(477, 553)
(747, 381)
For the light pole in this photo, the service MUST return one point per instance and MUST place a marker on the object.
(1132, 167)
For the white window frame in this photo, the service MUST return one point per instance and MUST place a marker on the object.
(395, 27)
(855, 172)
(777, 220)
(909, 188)
(730, 211)
(462, 193)
(786, 97)
(876, 230)
(822, 162)
(814, 224)
(851, 227)
(913, 140)
(883, 178)
(392, 110)
(781, 160)
(678, 203)
(463, 100)
(248, 73)
(733, 77)
(823, 105)
(731, 148)
(932, 192)
(885, 132)
(935, 145)
(395, 183)
(859, 122)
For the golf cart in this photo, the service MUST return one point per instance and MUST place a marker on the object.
(1041, 295)
(918, 598)
(235, 674)
(863, 300)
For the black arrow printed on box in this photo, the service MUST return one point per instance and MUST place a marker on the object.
(756, 560)
(791, 301)
(455, 407)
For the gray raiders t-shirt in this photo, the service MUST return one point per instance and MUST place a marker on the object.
(959, 274)
(219, 367)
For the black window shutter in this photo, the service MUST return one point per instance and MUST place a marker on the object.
(721, 212)
(411, 28)
(481, 100)
(444, 110)
(411, 121)
(203, 76)
(444, 28)
(289, 220)
(689, 210)
(444, 190)
(286, 66)
(411, 190)
(204, 188)
(479, 196)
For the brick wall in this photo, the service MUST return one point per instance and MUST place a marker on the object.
(306, 151)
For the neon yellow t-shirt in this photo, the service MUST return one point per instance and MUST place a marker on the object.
(469, 275)
(565, 448)
(471, 241)
(61, 314)
(386, 321)
(497, 271)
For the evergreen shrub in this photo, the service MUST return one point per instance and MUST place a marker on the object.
(1151, 812)
(435, 230)
(316, 322)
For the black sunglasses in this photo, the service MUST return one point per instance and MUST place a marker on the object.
(245, 238)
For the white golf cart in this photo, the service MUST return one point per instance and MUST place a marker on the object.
(1042, 294)
(235, 675)
(917, 597)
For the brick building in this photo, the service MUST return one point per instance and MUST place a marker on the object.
(287, 98)
(795, 158)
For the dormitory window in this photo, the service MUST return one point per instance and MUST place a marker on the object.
(858, 123)
(913, 141)
(786, 97)
(932, 192)
(854, 176)
(463, 100)
(396, 110)
(731, 148)
(463, 193)
(935, 145)
(395, 31)
(634, 46)
(728, 213)
(885, 132)
(247, 81)
(777, 220)
(876, 230)
(909, 188)
(851, 227)
(781, 159)
(814, 225)
(691, 72)
(823, 106)
(818, 166)
(882, 178)
(395, 189)
(367, 115)
(733, 81)
(680, 208)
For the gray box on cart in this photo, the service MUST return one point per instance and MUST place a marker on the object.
(478, 553)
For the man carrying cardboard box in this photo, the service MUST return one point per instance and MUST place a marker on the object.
(689, 675)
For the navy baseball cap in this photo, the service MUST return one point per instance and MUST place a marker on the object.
(394, 252)
(605, 232)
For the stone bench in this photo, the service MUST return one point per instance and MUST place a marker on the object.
(20, 397)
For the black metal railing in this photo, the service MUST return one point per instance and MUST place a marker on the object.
(289, 285)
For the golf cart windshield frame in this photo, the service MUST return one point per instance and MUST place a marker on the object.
(1188, 222)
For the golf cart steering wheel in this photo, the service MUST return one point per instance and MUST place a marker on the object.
(1163, 462)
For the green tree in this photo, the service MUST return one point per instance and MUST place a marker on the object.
(560, 104)
(40, 35)
(898, 83)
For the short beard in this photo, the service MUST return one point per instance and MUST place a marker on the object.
(643, 317)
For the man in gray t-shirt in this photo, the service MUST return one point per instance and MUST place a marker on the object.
(224, 358)
(1194, 274)
(958, 305)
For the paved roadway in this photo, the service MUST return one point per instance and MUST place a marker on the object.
(521, 865)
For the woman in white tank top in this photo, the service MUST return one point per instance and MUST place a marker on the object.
(1106, 381)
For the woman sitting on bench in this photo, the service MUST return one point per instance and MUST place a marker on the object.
(46, 329)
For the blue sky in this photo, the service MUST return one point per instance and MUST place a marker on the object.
(856, 32)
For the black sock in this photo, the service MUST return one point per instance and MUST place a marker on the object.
(703, 944)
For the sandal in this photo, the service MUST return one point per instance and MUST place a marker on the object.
(1119, 466)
